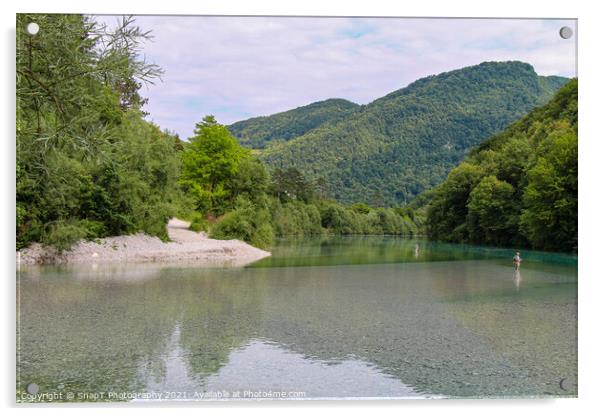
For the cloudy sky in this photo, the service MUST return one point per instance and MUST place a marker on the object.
(241, 67)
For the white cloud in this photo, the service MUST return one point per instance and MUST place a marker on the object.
(238, 67)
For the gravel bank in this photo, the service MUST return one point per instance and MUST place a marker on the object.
(185, 247)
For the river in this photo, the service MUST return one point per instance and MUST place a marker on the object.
(332, 317)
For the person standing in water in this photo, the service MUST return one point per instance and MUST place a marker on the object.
(517, 261)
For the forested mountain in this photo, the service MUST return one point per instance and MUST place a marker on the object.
(258, 132)
(392, 149)
(519, 187)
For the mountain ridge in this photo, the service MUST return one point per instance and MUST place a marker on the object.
(257, 132)
(390, 150)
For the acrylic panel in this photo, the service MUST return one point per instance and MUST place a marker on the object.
(295, 208)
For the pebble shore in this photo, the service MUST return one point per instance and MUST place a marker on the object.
(185, 247)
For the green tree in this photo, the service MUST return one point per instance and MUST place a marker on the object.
(210, 163)
(248, 222)
(290, 184)
(528, 194)
(88, 164)
(250, 180)
(491, 211)
(447, 211)
(321, 188)
(361, 208)
(550, 199)
(514, 157)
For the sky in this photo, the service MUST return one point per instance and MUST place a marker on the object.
(240, 67)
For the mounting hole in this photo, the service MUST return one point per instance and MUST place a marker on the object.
(566, 32)
(32, 388)
(33, 28)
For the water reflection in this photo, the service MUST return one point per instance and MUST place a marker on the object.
(340, 250)
(517, 279)
(266, 369)
(452, 328)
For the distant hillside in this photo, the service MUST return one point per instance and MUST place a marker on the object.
(392, 149)
(258, 132)
(517, 188)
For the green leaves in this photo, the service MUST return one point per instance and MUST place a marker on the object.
(550, 215)
(519, 187)
(247, 222)
(491, 208)
(88, 164)
(260, 132)
(448, 209)
(290, 185)
(210, 166)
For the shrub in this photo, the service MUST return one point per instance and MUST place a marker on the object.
(64, 233)
(198, 222)
(248, 222)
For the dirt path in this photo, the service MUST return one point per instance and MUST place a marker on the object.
(179, 233)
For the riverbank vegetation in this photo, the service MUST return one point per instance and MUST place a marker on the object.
(236, 197)
(518, 188)
(90, 165)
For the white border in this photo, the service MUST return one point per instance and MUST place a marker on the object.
(590, 154)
